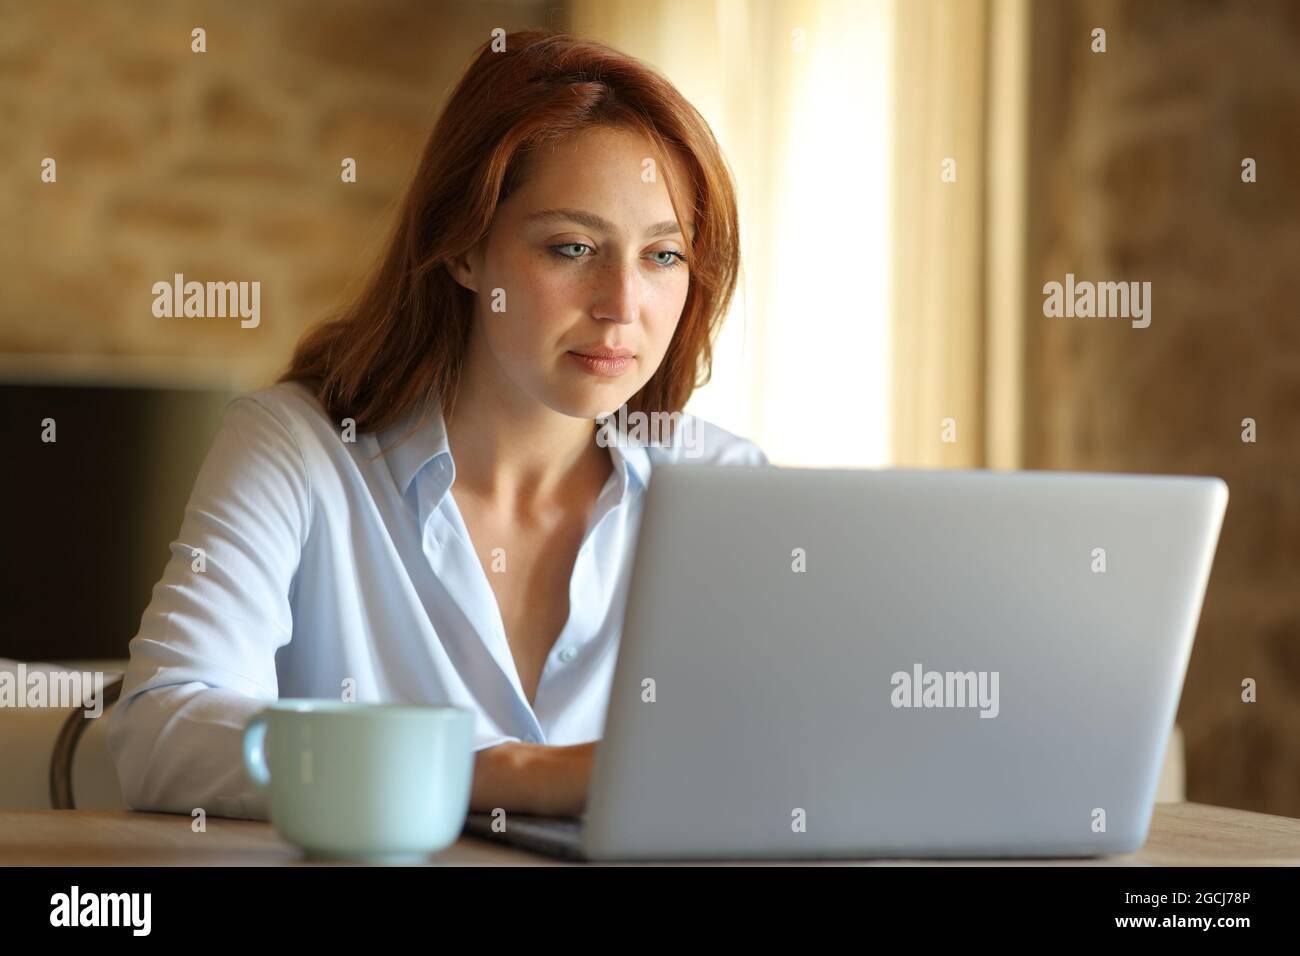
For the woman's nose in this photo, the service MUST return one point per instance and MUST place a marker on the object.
(619, 293)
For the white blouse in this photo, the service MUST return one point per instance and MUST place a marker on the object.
(307, 567)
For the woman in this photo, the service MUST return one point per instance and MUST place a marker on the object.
(568, 247)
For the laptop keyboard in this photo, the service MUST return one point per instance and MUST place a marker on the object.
(482, 823)
(559, 836)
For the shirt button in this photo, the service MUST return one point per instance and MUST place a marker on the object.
(568, 654)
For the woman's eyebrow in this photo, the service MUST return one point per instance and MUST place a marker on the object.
(668, 227)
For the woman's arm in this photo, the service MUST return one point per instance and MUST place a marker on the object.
(532, 778)
(203, 661)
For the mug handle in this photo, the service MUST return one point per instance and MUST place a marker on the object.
(255, 753)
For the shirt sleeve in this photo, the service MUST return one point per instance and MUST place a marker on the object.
(203, 662)
(754, 456)
(736, 451)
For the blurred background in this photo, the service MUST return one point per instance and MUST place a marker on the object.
(910, 174)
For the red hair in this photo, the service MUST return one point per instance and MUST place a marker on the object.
(406, 334)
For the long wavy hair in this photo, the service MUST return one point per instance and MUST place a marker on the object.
(405, 335)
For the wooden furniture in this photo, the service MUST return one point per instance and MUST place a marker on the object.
(1182, 834)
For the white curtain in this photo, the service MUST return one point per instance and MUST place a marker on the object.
(799, 95)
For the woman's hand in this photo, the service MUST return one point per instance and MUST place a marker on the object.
(532, 778)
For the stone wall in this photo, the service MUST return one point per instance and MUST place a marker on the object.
(222, 166)
(1137, 175)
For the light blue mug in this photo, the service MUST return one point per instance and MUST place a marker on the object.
(381, 783)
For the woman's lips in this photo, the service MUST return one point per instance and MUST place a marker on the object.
(603, 365)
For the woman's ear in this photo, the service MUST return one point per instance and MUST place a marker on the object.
(466, 268)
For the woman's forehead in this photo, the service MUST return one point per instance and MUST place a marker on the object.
(600, 178)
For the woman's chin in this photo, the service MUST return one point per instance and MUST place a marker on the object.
(591, 402)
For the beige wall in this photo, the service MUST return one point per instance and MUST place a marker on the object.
(221, 166)
(1136, 175)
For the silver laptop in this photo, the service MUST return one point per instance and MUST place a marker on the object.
(854, 664)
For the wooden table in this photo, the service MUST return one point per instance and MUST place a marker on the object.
(1182, 834)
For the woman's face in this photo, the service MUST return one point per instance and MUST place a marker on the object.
(585, 258)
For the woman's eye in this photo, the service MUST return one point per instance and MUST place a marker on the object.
(673, 260)
(676, 258)
(569, 245)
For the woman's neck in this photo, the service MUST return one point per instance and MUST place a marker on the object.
(520, 454)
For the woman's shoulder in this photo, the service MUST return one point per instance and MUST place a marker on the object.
(287, 419)
(292, 404)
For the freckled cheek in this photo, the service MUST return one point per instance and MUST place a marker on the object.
(657, 332)
(546, 283)
(552, 303)
(661, 313)
(536, 298)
